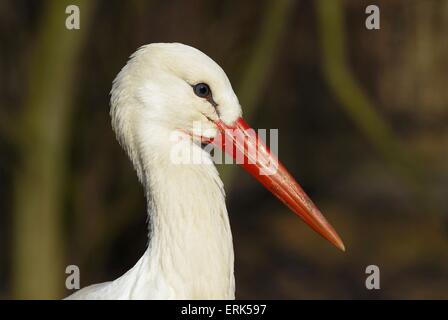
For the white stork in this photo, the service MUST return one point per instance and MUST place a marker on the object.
(165, 88)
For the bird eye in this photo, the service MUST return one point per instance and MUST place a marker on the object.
(202, 90)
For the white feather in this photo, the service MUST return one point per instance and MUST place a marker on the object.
(190, 253)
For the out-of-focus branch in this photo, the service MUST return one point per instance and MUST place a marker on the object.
(44, 125)
(263, 53)
(8, 131)
(352, 98)
(122, 211)
(258, 66)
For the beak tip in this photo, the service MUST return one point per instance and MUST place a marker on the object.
(337, 242)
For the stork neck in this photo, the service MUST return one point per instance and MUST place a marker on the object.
(190, 238)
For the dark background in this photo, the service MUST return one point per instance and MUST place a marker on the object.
(362, 118)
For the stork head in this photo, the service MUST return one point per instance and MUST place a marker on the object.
(171, 87)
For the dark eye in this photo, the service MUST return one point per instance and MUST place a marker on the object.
(202, 90)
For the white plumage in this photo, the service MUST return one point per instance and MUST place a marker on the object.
(190, 253)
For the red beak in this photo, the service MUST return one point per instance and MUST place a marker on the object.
(244, 145)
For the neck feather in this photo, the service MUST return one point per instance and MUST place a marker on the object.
(190, 253)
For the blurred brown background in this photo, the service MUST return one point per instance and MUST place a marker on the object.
(362, 117)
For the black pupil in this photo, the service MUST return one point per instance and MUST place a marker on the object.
(202, 90)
